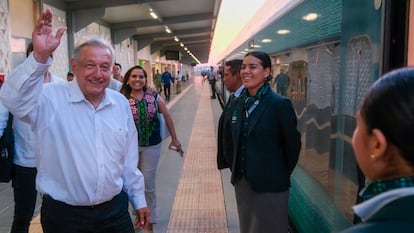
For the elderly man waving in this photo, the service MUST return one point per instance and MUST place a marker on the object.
(87, 151)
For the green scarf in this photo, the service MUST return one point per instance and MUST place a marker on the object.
(250, 100)
(381, 186)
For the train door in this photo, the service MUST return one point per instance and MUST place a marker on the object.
(396, 16)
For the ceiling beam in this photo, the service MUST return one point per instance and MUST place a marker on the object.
(165, 21)
(176, 46)
(176, 33)
(186, 40)
(201, 51)
(90, 4)
(82, 18)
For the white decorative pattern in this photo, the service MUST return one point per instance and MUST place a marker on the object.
(4, 38)
(358, 72)
(323, 76)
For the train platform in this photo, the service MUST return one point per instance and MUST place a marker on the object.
(193, 196)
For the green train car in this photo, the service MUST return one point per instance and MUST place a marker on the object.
(332, 51)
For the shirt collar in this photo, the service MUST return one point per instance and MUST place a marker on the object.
(76, 95)
(370, 207)
(238, 91)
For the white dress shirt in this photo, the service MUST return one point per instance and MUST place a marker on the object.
(238, 91)
(85, 156)
(114, 84)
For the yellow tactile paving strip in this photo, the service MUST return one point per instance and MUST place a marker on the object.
(199, 202)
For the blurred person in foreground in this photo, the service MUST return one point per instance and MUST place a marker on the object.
(262, 150)
(384, 150)
(87, 144)
(145, 102)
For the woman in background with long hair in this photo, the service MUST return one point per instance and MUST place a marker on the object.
(145, 102)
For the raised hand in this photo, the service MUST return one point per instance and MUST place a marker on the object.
(44, 42)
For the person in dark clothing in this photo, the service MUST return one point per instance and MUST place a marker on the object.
(261, 149)
(234, 85)
(166, 79)
(212, 81)
(282, 81)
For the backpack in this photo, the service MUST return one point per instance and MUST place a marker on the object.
(7, 152)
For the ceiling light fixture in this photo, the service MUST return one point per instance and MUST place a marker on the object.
(266, 40)
(195, 58)
(310, 17)
(283, 32)
(167, 29)
(176, 39)
(153, 14)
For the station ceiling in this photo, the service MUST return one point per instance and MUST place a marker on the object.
(191, 21)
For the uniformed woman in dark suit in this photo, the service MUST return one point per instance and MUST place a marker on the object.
(262, 149)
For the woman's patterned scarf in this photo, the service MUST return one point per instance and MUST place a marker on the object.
(250, 100)
(381, 186)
